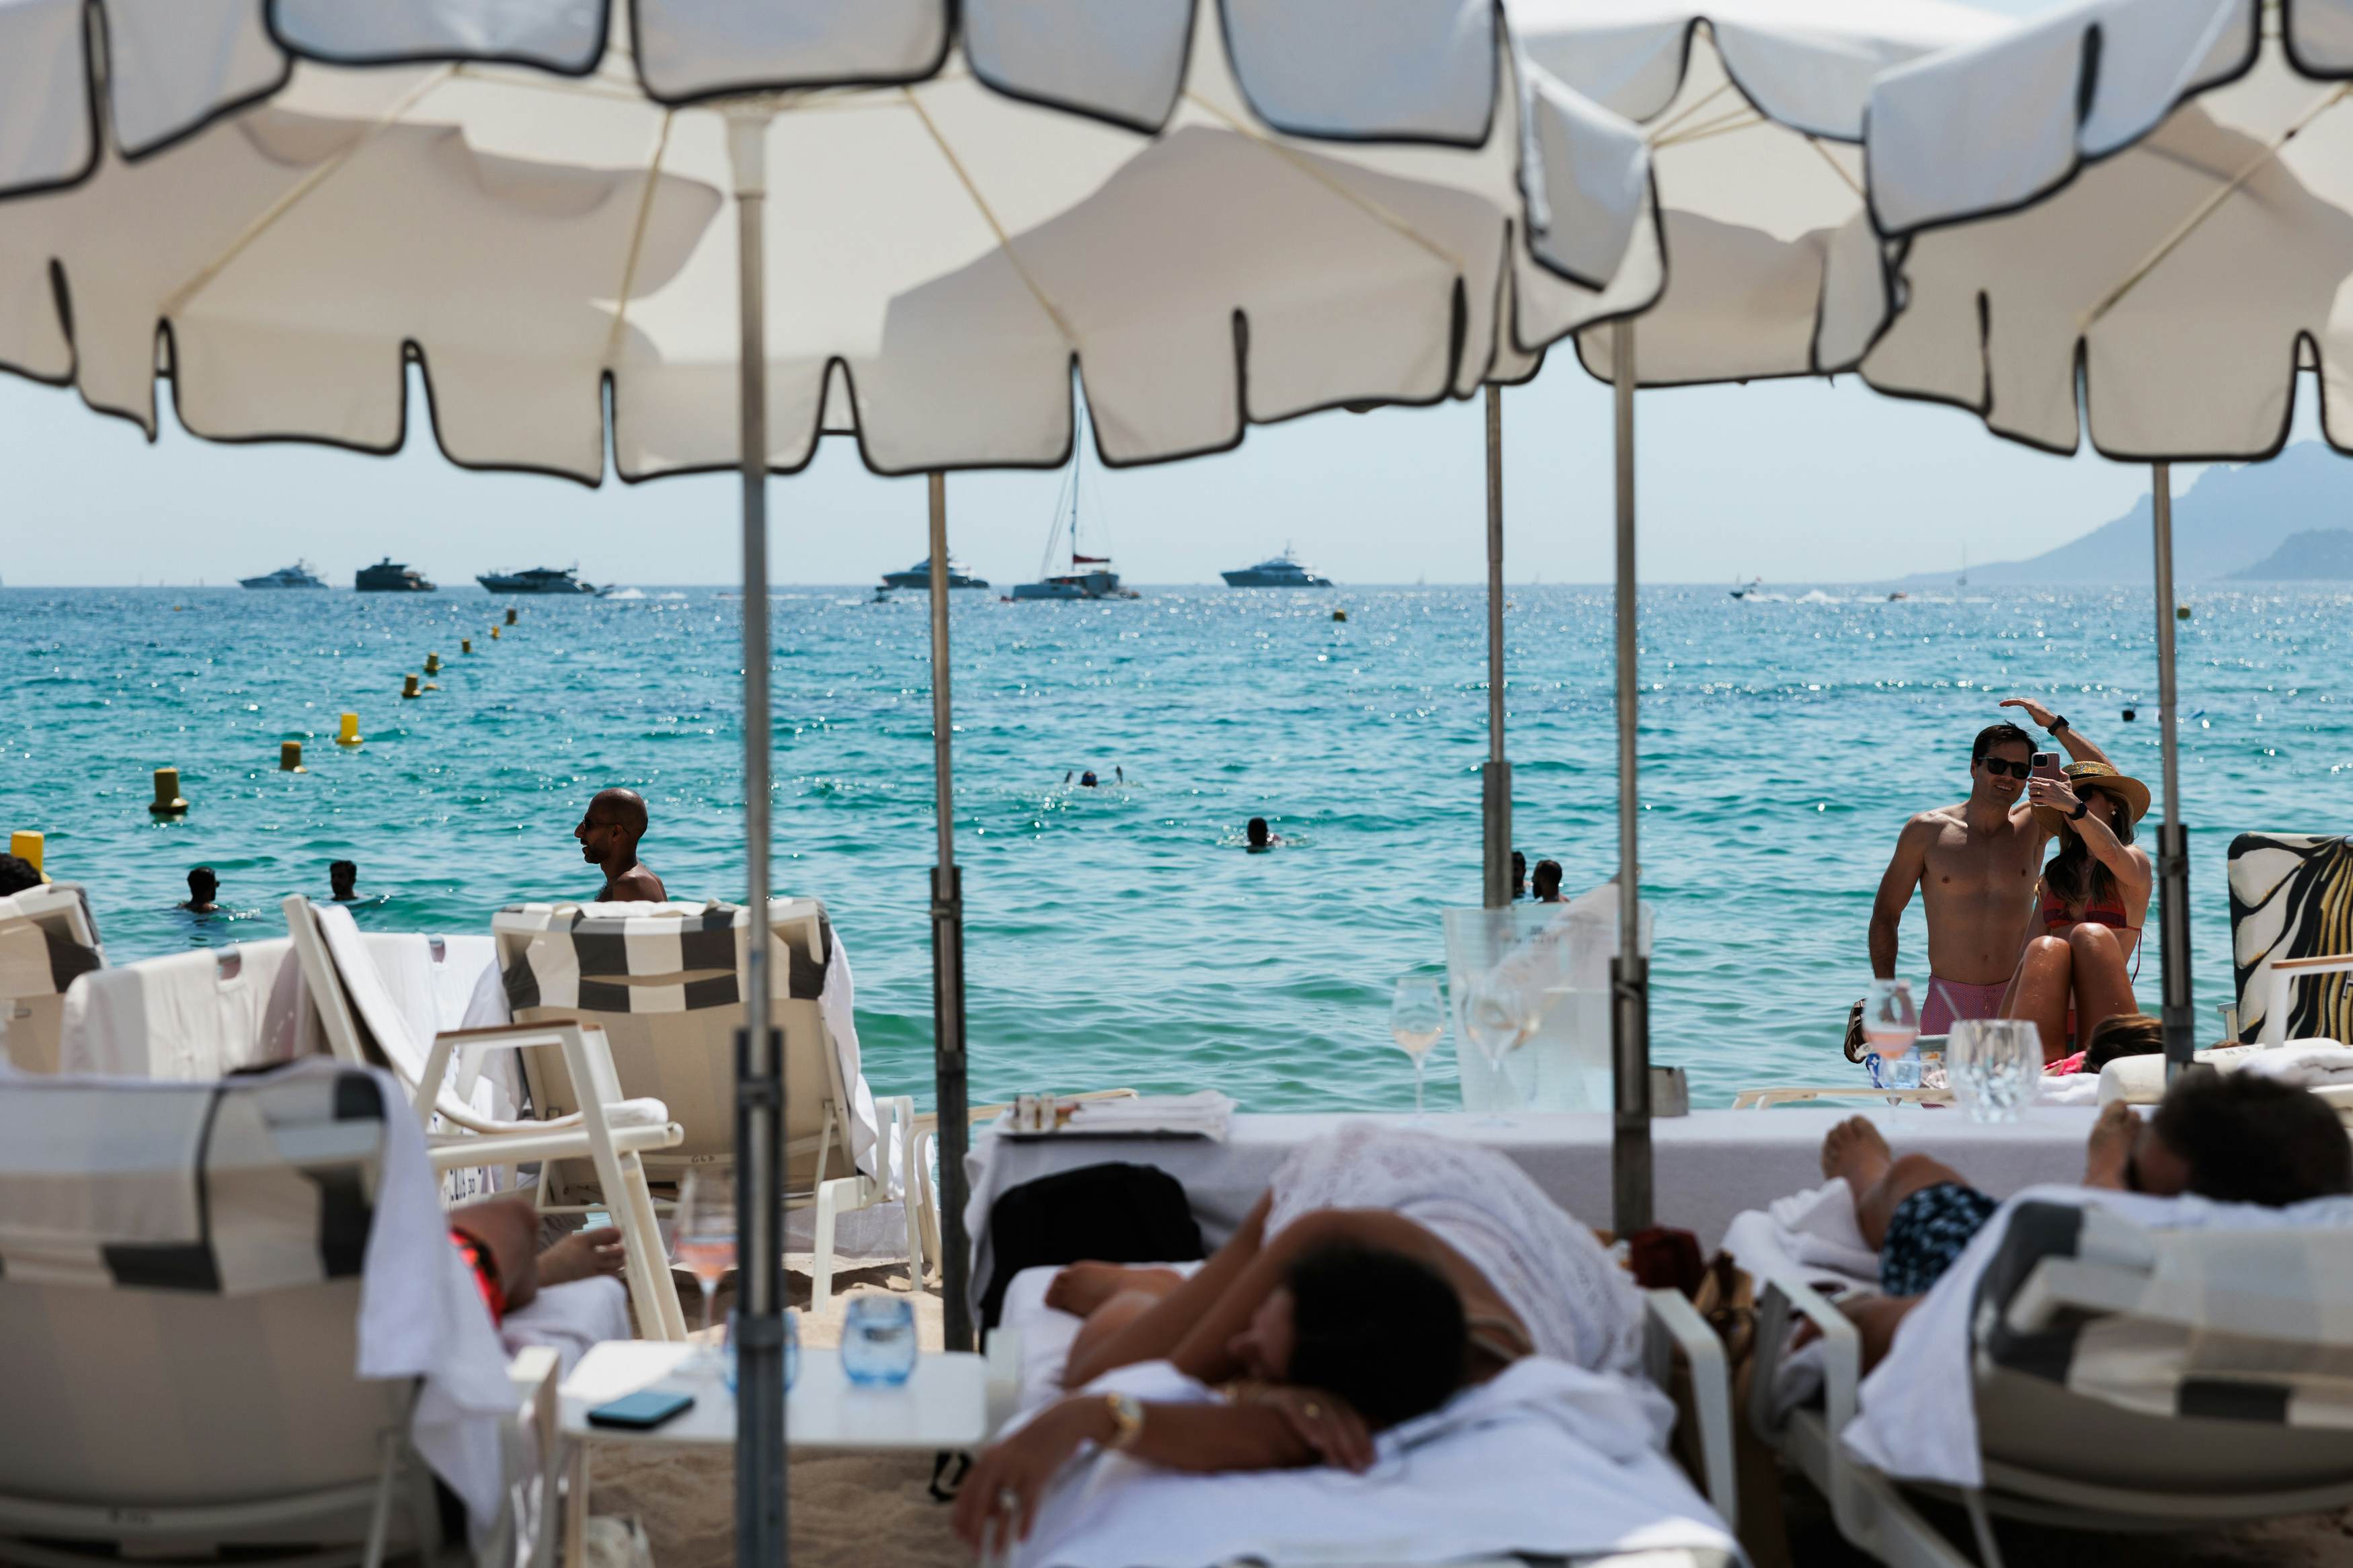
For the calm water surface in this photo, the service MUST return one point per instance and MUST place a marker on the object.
(1120, 935)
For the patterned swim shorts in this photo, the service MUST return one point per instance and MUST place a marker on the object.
(1927, 1232)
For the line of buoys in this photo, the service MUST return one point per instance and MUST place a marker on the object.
(465, 645)
(432, 664)
(510, 614)
(168, 801)
(26, 846)
(408, 686)
(349, 735)
(289, 757)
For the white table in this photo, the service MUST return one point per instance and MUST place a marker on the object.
(1710, 1165)
(943, 1406)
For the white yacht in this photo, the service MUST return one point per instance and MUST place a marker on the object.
(299, 575)
(919, 575)
(1283, 570)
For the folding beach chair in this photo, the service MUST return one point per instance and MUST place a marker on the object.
(48, 939)
(2292, 935)
(2125, 1379)
(181, 1277)
(664, 981)
(611, 1134)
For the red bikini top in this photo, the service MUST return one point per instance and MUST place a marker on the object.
(2108, 913)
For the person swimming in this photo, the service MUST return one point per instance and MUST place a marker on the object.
(343, 882)
(204, 889)
(1260, 836)
(1087, 779)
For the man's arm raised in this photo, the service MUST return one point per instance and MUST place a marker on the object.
(2079, 748)
(1903, 874)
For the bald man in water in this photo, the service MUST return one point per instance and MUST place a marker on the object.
(609, 837)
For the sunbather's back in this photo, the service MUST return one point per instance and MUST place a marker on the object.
(179, 1298)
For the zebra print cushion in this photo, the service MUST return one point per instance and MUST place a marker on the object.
(2292, 896)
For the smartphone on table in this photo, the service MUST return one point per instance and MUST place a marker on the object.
(642, 1411)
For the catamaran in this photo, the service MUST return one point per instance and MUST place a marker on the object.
(1067, 573)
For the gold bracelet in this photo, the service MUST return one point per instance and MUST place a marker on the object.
(1126, 1419)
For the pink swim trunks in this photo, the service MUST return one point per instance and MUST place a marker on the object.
(1949, 1000)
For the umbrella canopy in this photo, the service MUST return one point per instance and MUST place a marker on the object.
(1754, 111)
(2134, 217)
(940, 252)
(2130, 217)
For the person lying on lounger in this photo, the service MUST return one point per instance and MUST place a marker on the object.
(2235, 1138)
(1382, 1271)
(499, 1238)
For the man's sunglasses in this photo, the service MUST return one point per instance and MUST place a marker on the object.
(1997, 768)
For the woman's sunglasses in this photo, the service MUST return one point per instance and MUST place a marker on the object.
(1998, 768)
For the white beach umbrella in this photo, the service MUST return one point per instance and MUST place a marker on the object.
(2133, 218)
(1754, 111)
(1271, 208)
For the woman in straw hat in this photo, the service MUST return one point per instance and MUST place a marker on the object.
(2084, 944)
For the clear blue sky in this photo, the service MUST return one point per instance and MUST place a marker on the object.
(1794, 481)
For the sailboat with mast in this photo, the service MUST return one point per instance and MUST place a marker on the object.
(1068, 571)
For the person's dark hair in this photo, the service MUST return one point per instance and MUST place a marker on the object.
(203, 874)
(2124, 1034)
(2075, 874)
(2252, 1140)
(1547, 877)
(1519, 872)
(1380, 1330)
(16, 875)
(1258, 830)
(341, 869)
(1994, 736)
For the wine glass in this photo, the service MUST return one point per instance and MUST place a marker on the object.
(1417, 1021)
(1497, 1018)
(706, 1243)
(1890, 1025)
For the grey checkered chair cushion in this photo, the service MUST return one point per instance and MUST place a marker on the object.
(679, 959)
(230, 1189)
(2251, 1328)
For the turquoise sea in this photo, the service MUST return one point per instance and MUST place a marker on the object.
(1120, 934)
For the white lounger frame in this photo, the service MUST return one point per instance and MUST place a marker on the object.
(1871, 1510)
(616, 1152)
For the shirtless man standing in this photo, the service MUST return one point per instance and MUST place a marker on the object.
(1975, 865)
(609, 837)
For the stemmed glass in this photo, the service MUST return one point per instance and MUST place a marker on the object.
(1417, 1022)
(1498, 1019)
(705, 1244)
(1890, 1025)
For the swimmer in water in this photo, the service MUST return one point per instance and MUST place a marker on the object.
(202, 889)
(1519, 876)
(343, 881)
(1261, 837)
(1087, 779)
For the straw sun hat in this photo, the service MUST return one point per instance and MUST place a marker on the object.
(2082, 776)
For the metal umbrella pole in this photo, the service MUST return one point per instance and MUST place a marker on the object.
(760, 1524)
(1495, 776)
(1630, 980)
(2172, 836)
(947, 964)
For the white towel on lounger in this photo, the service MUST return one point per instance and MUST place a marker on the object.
(1917, 1415)
(1547, 1459)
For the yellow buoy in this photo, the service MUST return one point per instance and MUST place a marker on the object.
(494, 631)
(26, 847)
(408, 686)
(289, 757)
(1339, 614)
(349, 735)
(167, 802)
(2180, 612)
(510, 614)
(432, 664)
(465, 645)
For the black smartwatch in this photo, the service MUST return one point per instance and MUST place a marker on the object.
(2058, 724)
(2082, 805)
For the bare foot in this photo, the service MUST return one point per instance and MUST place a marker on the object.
(1854, 1150)
(2109, 1149)
(1081, 1288)
(583, 1255)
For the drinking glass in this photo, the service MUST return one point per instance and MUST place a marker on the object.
(1890, 1025)
(878, 1338)
(1997, 1064)
(792, 1350)
(1417, 1021)
(706, 1243)
(1497, 1018)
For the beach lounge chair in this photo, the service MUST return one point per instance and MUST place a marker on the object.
(190, 1275)
(2292, 935)
(48, 939)
(190, 1017)
(664, 981)
(2122, 1379)
(608, 1133)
